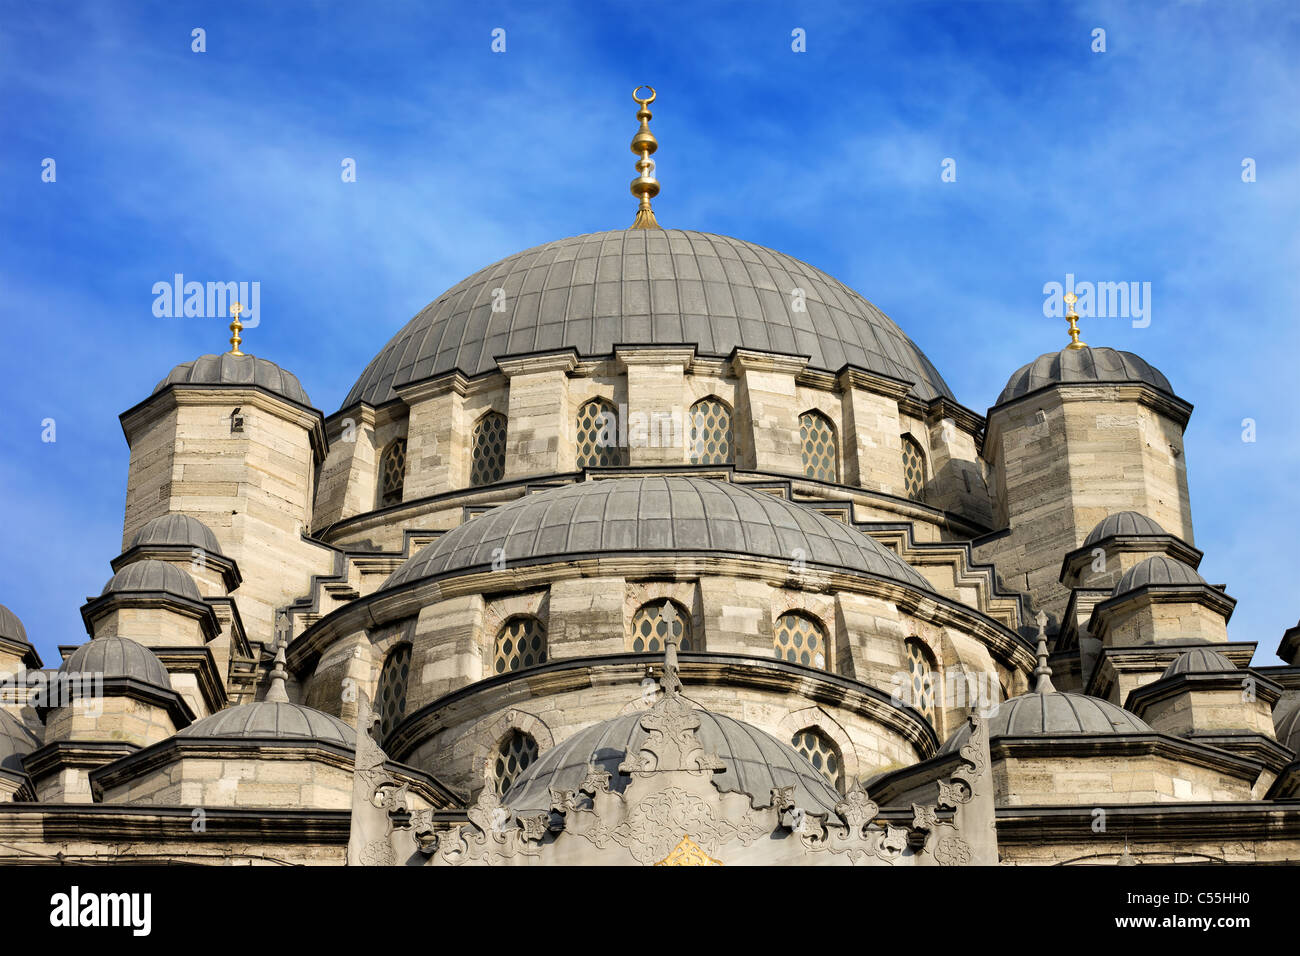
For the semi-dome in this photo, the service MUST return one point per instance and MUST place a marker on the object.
(1199, 660)
(755, 762)
(242, 369)
(654, 514)
(177, 530)
(1156, 571)
(16, 742)
(1083, 366)
(117, 657)
(1127, 523)
(11, 627)
(645, 287)
(1054, 714)
(273, 719)
(153, 575)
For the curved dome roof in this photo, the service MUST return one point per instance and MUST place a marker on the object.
(153, 575)
(1158, 571)
(231, 369)
(654, 514)
(116, 657)
(1287, 725)
(645, 287)
(177, 529)
(280, 719)
(16, 742)
(1051, 714)
(755, 763)
(1123, 523)
(1083, 366)
(1199, 660)
(11, 627)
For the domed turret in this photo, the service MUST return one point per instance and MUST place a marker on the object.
(117, 658)
(1126, 523)
(1157, 571)
(177, 530)
(229, 369)
(1085, 366)
(153, 576)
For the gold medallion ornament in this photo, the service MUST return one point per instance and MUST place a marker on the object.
(645, 187)
(688, 853)
(1070, 299)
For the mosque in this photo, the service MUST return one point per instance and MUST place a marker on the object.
(653, 546)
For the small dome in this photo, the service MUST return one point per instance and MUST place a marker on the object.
(1051, 714)
(153, 575)
(1286, 722)
(230, 369)
(1129, 523)
(266, 718)
(177, 529)
(11, 627)
(654, 515)
(1156, 571)
(755, 763)
(117, 657)
(1083, 366)
(1200, 660)
(16, 742)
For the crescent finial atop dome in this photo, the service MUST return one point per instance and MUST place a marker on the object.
(645, 187)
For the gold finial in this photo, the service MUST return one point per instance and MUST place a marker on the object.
(1070, 299)
(235, 328)
(645, 187)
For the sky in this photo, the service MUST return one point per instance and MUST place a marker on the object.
(1116, 165)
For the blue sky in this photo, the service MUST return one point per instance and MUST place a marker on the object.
(1115, 166)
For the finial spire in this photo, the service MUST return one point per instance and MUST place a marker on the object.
(279, 674)
(1073, 317)
(645, 187)
(235, 328)
(672, 679)
(1042, 672)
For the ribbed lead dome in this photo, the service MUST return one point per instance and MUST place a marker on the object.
(1083, 366)
(11, 627)
(1200, 660)
(117, 657)
(1156, 571)
(231, 369)
(153, 575)
(1052, 714)
(16, 742)
(654, 514)
(645, 287)
(755, 763)
(1123, 523)
(266, 718)
(177, 529)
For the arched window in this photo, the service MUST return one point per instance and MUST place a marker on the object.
(390, 698)
(650, 627)
(488, 449)
(597, 436)
(817, 439)
(392, 473)
(514, 755)
(913, 468)
(921, 675)
(800, 639)
(822, 754)
(521, 643)
(711, 432)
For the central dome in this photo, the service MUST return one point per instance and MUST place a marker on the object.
(646, 287)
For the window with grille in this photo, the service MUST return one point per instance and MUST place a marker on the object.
(521, 643)
(488, 449)
(817, 438)
(913, 468)
(650, 627)
(392, 473)
(920, 674)
(800, 640)
(391, 695)
(514, 755)
(822, 754)
(711, 433)
(597, 437)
